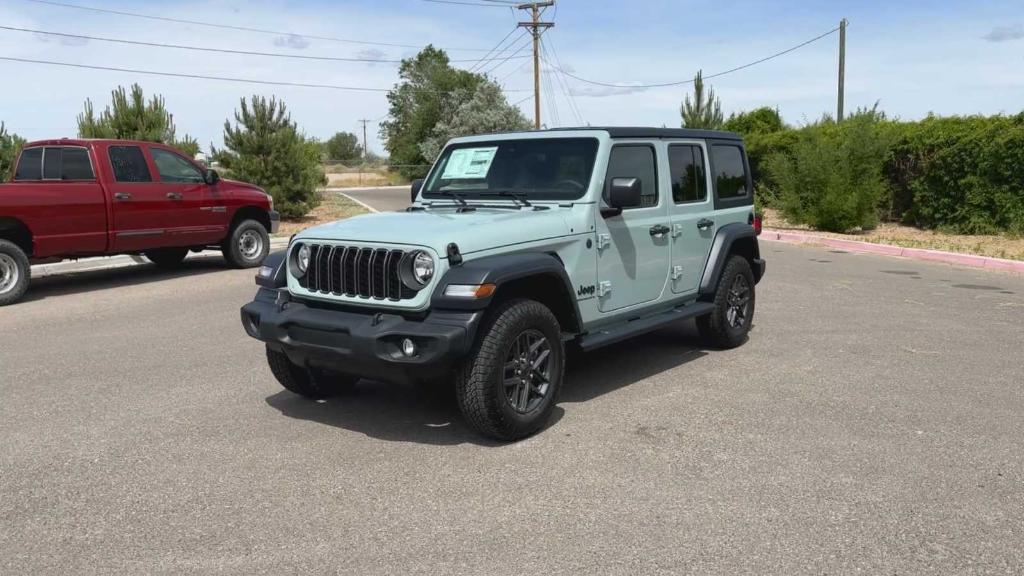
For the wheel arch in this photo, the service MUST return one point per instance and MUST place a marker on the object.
(16, 231)
(731, 239)
(250, 212)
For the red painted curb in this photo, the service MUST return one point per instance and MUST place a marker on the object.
(890, 250)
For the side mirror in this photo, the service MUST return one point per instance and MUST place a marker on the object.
(416, 185)
(211, 177)
(623, 193)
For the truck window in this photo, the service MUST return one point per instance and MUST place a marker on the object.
(30, 165)
(635, 161)
(51, 163)
(174, 168)
(129, 164)
(75, 164)
(686, 164)
(730, 172)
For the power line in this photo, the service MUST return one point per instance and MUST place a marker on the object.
(517, 52)
(465, 3)
(207, 77)
(723, 73)
(208, 49)
(562, 84)
(238, 28)
(480, 62)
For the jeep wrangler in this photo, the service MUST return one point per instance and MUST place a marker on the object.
(515, 246)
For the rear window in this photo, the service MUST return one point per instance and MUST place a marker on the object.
(730, 171)
(51, 163)
(129, 164)
(30, 165)
(75, 164)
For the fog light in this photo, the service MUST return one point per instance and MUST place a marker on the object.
(265, 272)
(408, 348)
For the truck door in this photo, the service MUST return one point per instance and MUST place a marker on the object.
(633, 247)
(197, 216)
(693, 222)
(140, 206)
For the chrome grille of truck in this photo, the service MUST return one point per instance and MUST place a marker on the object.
(355, 271)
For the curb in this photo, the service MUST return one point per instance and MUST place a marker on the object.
(114, 262)
(970, 260)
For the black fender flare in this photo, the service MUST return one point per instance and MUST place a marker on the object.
(725, 238)
(277, 278)
(501, 270)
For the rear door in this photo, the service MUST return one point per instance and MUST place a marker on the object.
(692, 211)
(142, 210)
(197, 216)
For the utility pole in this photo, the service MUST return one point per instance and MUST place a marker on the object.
(535, 26)
(364, 121)
(842, 68)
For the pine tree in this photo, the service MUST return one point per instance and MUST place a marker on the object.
(705, 110)
(131, 117)
(10, 146)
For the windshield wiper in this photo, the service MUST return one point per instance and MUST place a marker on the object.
(519, 196)
(463, 205)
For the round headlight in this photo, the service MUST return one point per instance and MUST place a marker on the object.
(422, 267)
(302, 259)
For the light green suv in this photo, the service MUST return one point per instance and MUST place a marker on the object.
(514, 247)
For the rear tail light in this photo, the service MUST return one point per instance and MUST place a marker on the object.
(757, 225)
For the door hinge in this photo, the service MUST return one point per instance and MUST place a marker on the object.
(677, 229)
(677, 272)
(603, 241)
(603, 288)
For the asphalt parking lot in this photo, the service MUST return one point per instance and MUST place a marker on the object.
(874, 422)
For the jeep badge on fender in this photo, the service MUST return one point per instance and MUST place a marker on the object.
(515, 246)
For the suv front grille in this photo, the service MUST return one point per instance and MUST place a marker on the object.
(354, 271)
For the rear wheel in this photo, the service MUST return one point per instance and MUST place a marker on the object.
(15, 272)
(247, 245)
(727, 326)
(167, 257)
(508, 386)
(308, 382)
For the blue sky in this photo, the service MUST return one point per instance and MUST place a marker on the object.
(912, 57)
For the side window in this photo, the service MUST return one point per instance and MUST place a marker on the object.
(730, 172)
(30, 166)
(174, 168)
(51, 163)
(75, 165)
(635, 161)
(686, 164)
(129, 164)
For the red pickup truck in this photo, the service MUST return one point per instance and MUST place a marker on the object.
(80, 198)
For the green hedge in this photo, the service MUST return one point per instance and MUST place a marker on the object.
(960, 174)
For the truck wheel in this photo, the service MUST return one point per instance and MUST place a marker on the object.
(307, 382)
(247, 245)
(167, 257)
(728, 325)
(508, 385)
(15, 272)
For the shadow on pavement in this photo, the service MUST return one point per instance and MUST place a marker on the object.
(93, 280)
(430, 415)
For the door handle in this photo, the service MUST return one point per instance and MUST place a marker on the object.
(704, 224)
(122, 196)
(659, 230)
(173, 196)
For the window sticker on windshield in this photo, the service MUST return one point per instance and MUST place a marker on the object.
(469, 163)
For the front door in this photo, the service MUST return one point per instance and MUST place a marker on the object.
(197, 216)
(692, 211)
(634, 246)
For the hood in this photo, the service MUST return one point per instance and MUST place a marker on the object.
(481, 229)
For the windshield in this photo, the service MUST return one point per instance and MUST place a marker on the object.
(536, 169)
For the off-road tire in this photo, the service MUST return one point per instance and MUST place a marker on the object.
(315, 384)
(17, 271)
(167, 257)
(247, 245)
(479, 385)
(715, 328)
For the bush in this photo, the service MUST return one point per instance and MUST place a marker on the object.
(266, 149)
(10, 146)
(832, 178)
(762, 120)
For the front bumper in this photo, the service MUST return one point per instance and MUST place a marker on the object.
(275, 221)
(364, 344)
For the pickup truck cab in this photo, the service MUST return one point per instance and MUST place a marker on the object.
(80, 198)
(515, 246)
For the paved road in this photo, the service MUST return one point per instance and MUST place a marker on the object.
(874, 422)
(389, 199)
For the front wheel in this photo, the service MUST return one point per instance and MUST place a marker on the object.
(15, 272)
(508, 386)
(727, 326)
(247, 245)
(308, 382)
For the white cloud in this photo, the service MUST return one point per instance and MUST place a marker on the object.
(291, 41)
(1005, 33)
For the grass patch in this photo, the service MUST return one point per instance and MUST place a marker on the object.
(995, 246)
(332, 207)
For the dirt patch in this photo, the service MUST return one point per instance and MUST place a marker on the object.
(1008, 247)
(332, 207)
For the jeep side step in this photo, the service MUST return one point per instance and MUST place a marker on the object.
(630, 328)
